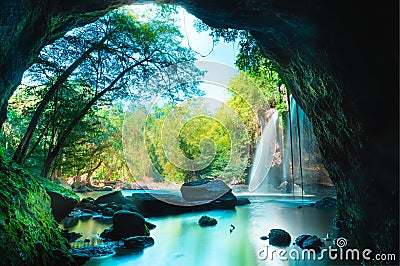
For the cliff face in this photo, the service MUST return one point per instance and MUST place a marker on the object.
(340, 59)
(28, 233)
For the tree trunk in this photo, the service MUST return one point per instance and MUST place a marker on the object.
(91, 171)
(22, 149)
(61, 141)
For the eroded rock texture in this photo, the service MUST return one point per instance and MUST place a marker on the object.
(340, 59)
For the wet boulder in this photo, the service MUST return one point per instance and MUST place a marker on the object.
(279, 238)
(138, 242)
(86, 203)
(207, 221)
(107, 212)
(241, 201)
(310, 242)
(112, 198)
(326, 203)
(70, 236)
(205, 190)
(126, 224)
(63, 200)
(150, 226)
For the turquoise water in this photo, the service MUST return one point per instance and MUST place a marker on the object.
(179, 240)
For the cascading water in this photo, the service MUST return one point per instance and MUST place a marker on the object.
(264, 154)
(288, 157)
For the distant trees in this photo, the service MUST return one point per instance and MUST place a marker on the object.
(91, 67)
(189, 142)
(66, 118)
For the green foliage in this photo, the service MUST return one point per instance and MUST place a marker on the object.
(252, 61)
(193, 141)
(111, 59)
(28, 232)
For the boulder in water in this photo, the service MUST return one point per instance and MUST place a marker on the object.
(70, 236)
(326, 203)
(126, 224)
(63, 200)
(279, 238)
(107, 212)
(204, 190)
(207, 221)
(113, 197)
(241, 201)
(138, 242)
(309, 242)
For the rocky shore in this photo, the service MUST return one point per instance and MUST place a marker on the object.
(130, 231)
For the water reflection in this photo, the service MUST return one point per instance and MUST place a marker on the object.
(179, 240)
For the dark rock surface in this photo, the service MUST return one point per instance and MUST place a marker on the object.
(207, 221)
(126, 224)
(326, 203)
(150, 226)
(154, 204)
(113, 197)
(138, 242)
(108, 212)
(71, 236)
(241, 201)
(151, 204)
(63, 200)
(204, 190)
(310, 242)
(279, 238)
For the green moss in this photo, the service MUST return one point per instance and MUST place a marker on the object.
(28, 232)
(50, 186)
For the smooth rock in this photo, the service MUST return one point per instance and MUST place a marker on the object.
(326, 203)
(207, 221)
(279, 237)
(241, 201)
(113, 197)
(310, 242)
(204, 190)
(126, 224)
(138, 242)
(70, 236)
(63, 200)
(107, 212)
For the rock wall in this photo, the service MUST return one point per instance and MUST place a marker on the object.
(28, 233)
(340, 59)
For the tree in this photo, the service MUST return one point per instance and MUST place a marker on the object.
(118, 53)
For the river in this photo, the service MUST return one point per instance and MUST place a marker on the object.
(179, 240)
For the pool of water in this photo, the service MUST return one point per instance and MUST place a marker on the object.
(179, 240)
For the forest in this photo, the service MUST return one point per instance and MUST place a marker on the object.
(66, 118)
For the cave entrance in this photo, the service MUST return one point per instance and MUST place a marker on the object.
(233, 91)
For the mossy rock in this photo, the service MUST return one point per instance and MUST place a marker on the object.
(207, 221)
(63, 200)
(29, 235)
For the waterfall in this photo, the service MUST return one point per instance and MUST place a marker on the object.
(264, 154)
(287, 155)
